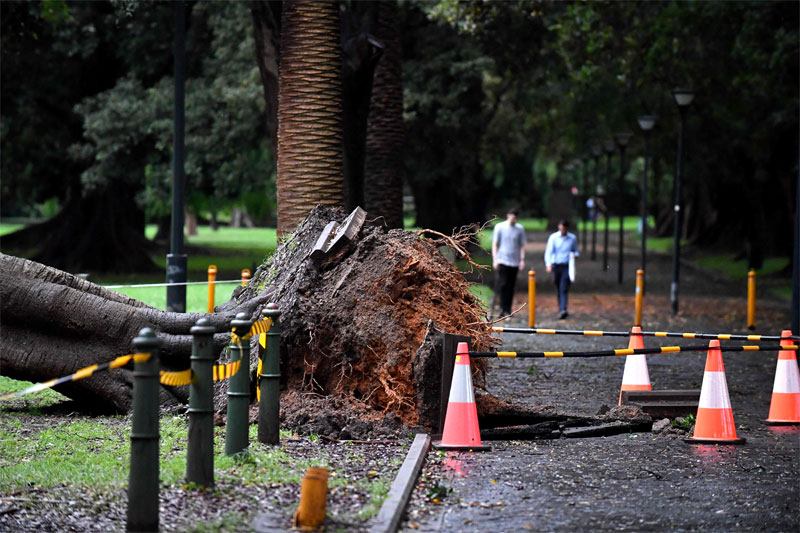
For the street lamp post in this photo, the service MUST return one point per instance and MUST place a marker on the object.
(608, 147)
(597, 152)
(683, 98)
(646, 123)
(176, 260)
(622, 140)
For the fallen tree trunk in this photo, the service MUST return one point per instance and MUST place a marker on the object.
(54, 323)
(353, 324)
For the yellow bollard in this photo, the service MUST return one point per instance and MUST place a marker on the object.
(212, 278)
(637, 318)
(751, 299)
(310, 512)
(245, 276)
(531, 298)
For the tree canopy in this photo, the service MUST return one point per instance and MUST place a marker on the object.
(498, 97)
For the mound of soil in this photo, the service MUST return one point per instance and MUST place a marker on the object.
(353, 325)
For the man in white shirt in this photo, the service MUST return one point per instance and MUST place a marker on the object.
(556, 257)
(508, 258)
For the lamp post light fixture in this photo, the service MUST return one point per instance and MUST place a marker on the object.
(622, 139)
(683, 99)
(646, 124)
(608, 147)
(597, 152)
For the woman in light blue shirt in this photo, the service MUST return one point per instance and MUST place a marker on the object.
(556, 257)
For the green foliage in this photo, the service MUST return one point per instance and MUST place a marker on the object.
(129, 127)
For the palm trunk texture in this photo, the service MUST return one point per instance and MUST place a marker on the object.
(309, 111)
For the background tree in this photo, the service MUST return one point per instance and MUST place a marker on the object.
(309, 111)
(383, 174)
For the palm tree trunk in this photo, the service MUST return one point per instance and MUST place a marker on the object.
(383, 184)
(309, 111)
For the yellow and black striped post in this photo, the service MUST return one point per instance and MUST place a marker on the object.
(270, 377)
(237, 437)
(143, 479)
(637, 315)
(531, 298)
(200, 450)
(751, 300)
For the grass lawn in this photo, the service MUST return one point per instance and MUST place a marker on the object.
(737, 269)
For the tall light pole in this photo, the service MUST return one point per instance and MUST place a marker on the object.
(622, 139)
(176, 260)
(608, 147)
(597, 152)
(683, 98)
(646, 123)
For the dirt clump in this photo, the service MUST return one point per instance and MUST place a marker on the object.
(353, 324)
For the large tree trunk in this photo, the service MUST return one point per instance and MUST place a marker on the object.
(54, 323)
(383, 185)
(103, 232)
(309, 111)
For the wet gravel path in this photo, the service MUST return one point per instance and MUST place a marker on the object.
(631, 482)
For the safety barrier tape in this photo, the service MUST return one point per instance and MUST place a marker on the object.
(80, 374)
(719, 336)
(631, 351)
(172, 379)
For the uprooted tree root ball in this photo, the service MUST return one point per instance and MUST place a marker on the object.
(353, 324)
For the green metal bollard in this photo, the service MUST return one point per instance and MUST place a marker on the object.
(236, 429)
(269, 407)
(200, 453)
(143, 479)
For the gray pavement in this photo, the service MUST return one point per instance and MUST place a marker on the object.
(631, 482)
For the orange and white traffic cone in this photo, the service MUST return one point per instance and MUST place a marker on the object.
(635, 376)
(785, 406)
(714, 422)
(461, 431)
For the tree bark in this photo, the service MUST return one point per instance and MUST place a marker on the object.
(55, 323)
(383, 185)
(309, 111)
(103, 232)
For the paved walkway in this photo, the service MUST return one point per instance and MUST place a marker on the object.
(633, 482)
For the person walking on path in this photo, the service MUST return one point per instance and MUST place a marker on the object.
(508, 258)
(556, 257)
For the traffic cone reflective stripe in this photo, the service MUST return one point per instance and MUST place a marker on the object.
(714, 422)
(785, 405)
(636, 375)
(461, 429)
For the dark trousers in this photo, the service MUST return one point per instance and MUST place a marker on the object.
(561, 281)
(504, 286)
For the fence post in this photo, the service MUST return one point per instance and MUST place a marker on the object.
(269, 407)
(200, 451)
(245, 276)
(212, 277)
(637, 318)
(143, 478)
(751, 299)
(531, 298)
(236, 428)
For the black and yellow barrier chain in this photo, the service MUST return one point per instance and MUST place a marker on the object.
(262, 326)
(184, 377)
(172, 379)
(597, 333)
(80, 374)
(630, 351)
